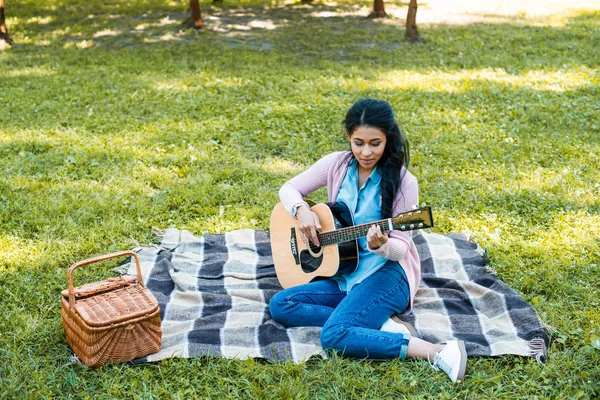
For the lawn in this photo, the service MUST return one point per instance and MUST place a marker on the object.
(115, 123)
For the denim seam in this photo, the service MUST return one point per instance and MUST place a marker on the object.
(320, 294)
(308, 306)
(403, 345)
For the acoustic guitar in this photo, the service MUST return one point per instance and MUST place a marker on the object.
(296, 264)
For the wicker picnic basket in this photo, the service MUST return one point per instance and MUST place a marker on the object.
(116, 319)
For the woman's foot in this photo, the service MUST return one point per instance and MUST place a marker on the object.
(452, 359)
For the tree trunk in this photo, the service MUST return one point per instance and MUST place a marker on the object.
(195, 20)
(5, 39)
(378, 10)
(412, 33)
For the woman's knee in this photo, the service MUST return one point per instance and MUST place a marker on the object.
(333, 337)
(277, 307)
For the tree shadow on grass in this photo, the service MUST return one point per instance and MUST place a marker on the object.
(314, 34)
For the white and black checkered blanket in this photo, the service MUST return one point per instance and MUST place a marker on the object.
(214, 292)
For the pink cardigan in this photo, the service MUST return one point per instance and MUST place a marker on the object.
(330, 171)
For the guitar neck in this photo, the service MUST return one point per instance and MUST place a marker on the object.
(352, 232)
(406, 221)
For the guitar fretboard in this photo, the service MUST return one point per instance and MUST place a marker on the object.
(350, 233)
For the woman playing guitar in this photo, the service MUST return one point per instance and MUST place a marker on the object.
(355, 308)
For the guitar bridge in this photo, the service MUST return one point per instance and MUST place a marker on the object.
(294, 246)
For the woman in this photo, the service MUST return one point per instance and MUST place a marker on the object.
(355, 309)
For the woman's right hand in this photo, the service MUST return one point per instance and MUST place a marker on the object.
(308, 223)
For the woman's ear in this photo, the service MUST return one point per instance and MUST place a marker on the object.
(347, 134)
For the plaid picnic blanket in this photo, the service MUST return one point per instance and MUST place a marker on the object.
(214, 290)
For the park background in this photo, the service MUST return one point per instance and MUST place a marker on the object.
(116, 122)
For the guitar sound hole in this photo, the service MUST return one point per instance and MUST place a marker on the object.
(308, 262)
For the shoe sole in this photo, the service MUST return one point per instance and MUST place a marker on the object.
(463, 361)
(408, 326)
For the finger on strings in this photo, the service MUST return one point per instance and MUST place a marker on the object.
(313, 235)
(304, 238)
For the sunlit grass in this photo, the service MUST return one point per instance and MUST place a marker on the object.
(281, 166)
(465, 80)
(15, 251)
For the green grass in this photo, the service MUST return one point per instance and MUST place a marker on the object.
(114, 121)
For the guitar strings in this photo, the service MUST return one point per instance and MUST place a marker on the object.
(354, 232)
(346, 234)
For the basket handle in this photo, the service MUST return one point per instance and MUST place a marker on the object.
(98, 259)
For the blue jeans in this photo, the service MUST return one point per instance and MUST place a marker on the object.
(350, 321)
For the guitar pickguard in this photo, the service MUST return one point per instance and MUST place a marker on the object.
(309, 263)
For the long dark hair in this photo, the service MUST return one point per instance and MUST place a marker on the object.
(379, 114)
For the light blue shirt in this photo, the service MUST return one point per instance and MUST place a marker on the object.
(365, 205)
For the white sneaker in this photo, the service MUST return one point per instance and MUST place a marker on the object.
(452, 359)
(396, 325)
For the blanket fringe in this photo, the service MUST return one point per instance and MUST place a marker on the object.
(159, 233)
(548, 327)
(537, 349)
(545, 327)
(491, 270)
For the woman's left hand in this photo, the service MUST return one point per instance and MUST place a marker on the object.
(376, 238)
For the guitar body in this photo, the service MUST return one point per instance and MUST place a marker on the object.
(295, 264)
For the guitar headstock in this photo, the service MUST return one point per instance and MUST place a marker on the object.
(420, 218)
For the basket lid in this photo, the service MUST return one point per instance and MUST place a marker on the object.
(116, 306)
(95, 288)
